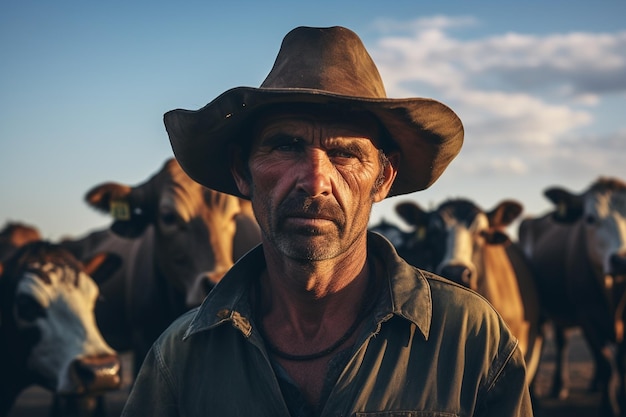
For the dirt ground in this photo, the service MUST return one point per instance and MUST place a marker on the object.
(35, 402)
(580, 403)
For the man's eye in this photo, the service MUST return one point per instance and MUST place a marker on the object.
(341, 154)
(286, 144)
(289, 147)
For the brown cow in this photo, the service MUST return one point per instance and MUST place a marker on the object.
(176, 239)
(468, 245)
(579, 253)
(48, 332)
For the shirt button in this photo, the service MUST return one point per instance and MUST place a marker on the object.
(223, 313)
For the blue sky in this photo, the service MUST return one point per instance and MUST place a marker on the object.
(539, 85)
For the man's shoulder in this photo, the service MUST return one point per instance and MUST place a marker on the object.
(439, 283)
(177, 330)
(459, 310)
(454, 295)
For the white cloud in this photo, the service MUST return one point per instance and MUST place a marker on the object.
(583, 158)
(496, 165)
(573, 63)
(424, 24)
(517, 119)
(525, 100)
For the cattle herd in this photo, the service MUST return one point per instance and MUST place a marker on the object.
(69, 308)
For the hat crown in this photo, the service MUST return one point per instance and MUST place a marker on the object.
(322, 66)
(330, 59)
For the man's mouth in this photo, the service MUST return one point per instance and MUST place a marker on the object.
(310, 214)
(309, 220)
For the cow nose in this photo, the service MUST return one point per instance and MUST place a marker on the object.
(93, 374)
(458, 273)
(617, 264)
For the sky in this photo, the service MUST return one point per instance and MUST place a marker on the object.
(539, 85)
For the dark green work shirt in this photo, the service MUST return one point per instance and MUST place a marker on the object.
(429, 348)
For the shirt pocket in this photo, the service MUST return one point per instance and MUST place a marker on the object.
(405, 414)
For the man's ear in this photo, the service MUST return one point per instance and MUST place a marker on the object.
(389, 176)
(240, 173)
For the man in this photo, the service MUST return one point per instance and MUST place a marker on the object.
(323, 318)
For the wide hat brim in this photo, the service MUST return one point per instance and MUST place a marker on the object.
(427, 133)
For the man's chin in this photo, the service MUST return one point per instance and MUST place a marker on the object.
(307, 248)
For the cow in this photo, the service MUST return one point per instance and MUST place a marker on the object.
(176, 239)
(48, 332)
(416, 246)
(465, 244)
(423, 244)
(579, 253)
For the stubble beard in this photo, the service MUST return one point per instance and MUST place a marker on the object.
(310, 245)
(306, 244)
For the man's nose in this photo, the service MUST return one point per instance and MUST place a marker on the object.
(314, 173)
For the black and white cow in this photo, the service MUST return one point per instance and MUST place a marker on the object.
(422, 245)
(48, 332)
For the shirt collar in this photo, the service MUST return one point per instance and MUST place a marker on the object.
(409, 294)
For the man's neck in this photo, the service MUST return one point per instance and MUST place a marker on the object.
(308, 294)
(311, 312)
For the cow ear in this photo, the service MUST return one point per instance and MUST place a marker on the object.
(102, 266)
(118, 200)
(412, 213)
(569, 207)
(108, 196)
(504, 213)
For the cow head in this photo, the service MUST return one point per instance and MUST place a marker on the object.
(49, 332)
(194, 226)
(464, 228)
(393, 233)
(424, 244)
(601, 209)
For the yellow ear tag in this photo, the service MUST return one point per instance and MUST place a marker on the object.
(562, 209)
(421, 233)
(119, 210)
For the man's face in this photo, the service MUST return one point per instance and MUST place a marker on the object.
(312, 181)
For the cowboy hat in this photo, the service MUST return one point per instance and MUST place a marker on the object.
(318, 66)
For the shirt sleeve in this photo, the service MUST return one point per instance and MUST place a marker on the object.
(509, 394)
(152, 392)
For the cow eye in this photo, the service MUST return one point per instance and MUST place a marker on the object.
(590, 219)
(28, 309)
(168, 218)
